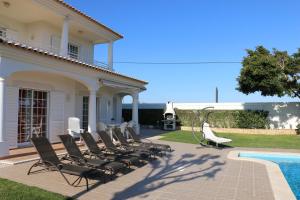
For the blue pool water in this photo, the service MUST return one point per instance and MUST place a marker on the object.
(289, 165)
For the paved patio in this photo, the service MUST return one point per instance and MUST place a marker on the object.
(189, 172)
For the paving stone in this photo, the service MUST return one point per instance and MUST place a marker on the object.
(189, 172)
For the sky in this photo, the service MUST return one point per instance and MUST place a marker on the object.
(193, 31)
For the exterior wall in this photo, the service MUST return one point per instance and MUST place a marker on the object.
(45, 36)
(16, 30)
(106, 103)
(62, 101)
(281, 115)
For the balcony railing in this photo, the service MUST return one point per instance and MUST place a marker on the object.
(54, 50)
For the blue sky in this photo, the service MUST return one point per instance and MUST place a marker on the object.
(190, 31)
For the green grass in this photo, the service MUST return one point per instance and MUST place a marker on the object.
(241, 140)
(17, 191)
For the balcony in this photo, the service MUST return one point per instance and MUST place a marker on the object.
(51, 49)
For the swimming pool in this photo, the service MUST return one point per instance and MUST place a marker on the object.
(288, 164)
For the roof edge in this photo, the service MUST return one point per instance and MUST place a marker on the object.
(88, 17)
(66, 59)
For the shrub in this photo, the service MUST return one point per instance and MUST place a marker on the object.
(252, 119)
(218, 118)
(298, 129)
(226, 118)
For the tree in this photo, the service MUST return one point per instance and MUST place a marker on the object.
(273, 73)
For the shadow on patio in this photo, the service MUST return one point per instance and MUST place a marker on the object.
(164, 173)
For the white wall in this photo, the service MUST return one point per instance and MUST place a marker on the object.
(281, 115)
(40, 34)
(61, 90)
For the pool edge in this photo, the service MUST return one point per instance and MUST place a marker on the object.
(280, 187)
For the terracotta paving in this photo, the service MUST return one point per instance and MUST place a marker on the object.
(189, 172)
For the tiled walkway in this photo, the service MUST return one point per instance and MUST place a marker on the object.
(190, 172)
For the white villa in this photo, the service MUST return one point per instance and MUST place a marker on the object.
(48, 72)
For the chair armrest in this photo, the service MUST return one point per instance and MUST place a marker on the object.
(50, 164)
(149, 141)
(78, 159)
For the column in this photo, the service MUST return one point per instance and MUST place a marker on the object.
(92, 112)
(3, 145)
(119, 109)
(110, 56)
(2, 131)
(64, 37)
(135, 111)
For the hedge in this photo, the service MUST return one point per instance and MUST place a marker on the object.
(218, 118)
(226, 118)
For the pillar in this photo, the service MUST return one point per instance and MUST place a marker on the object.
(92, 112)
(64, 37)
(3, 145)
(110, 56)
(135, 111)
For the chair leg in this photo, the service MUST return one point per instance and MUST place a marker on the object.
(34, 165)
(87, 183)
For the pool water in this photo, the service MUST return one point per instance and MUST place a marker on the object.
(289, 165)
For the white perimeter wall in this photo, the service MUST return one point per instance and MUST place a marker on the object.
(281, 115)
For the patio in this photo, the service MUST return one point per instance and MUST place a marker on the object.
(188, 172)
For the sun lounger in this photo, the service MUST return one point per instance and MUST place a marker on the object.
(50, 161)
(110, 147)
(209, 135)
(75, 155)
(95, 151)
(126, 145)
(136, 139)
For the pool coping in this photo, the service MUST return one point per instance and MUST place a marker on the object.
(279, 185)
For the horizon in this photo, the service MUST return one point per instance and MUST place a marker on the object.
(193, 31)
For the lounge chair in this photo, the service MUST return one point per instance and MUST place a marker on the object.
(137, 139)
(110, 147)
(123, 127)
(74, 127)
(125, 144)
(75, 155)
(101, 126)
(49, 161)
(95, 151)
(209, 135)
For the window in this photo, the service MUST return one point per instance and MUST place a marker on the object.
(73, 51)
(85, 113)
(3, 32)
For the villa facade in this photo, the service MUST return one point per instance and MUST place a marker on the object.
(48, 72)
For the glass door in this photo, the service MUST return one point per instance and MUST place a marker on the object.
(33, 115)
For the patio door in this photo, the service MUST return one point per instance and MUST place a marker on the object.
(33, 115)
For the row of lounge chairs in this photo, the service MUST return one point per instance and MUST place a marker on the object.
(94, 162)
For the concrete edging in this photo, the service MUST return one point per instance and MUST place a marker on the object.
(279, 185)
(246, 131)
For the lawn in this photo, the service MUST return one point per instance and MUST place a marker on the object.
(241, 140)
(12, 190)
